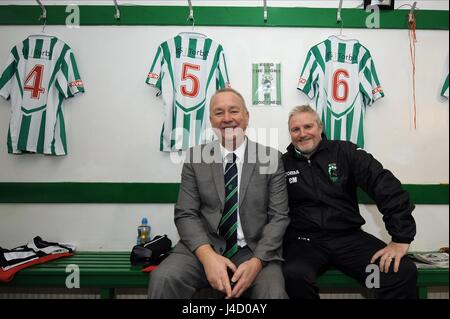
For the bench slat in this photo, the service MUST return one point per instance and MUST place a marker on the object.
(109, 270)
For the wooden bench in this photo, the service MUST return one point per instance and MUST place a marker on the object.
(110, 270)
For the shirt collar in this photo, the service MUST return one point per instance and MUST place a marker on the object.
(240, 151)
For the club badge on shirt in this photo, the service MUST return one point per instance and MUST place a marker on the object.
(332, 172)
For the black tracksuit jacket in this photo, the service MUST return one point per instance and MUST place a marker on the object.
(323, 191)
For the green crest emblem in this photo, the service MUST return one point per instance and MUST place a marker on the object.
(332, 172)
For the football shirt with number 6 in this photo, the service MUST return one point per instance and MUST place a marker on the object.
(340, 77)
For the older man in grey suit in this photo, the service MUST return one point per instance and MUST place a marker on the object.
(231, 214)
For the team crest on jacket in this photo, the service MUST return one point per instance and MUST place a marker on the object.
(332, 172)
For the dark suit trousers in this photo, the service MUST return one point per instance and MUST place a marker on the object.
(309, 255)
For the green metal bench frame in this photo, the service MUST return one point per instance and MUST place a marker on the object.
(110, 270)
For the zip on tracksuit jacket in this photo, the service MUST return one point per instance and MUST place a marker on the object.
(323, 191)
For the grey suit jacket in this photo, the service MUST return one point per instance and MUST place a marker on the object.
(263, 200)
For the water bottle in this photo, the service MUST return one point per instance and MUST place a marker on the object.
(143, 232)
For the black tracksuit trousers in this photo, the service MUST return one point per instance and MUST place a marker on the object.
(309, 255)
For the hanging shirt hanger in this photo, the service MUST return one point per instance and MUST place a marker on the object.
(341, 36)
(192, 32)
(198, 34)
(43, 27)
(44, 18)
(191, 18)
(43, 33)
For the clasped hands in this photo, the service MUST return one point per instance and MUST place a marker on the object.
(216, 269)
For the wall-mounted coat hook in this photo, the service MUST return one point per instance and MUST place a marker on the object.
(191, 11)
(117, 14)
(338, 15)
(411, 12)
(44, 11)
(265, 11)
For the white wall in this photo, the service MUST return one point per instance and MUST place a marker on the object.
(113, 129)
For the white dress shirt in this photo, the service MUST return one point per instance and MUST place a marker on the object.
(240, 153)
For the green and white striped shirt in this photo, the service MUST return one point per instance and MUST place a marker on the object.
(340, 76)
(187, 69)
(40, 73)
(444, 90)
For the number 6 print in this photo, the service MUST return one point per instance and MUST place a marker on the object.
(337, 82)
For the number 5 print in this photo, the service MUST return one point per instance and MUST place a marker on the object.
(185, 75)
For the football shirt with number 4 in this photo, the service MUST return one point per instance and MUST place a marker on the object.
(187, 69)
(340, 76)
(40, 73)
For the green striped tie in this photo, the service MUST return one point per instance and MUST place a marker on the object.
(228, 222)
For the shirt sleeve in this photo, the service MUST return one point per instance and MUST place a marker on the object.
(69, 79)
(7, 76)
(444, 90)
(370, 85)
(222, 79)
(155, 75)
(309, 76)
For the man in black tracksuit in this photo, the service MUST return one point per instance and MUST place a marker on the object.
(325, 229)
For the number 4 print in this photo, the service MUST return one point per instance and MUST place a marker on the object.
(186, 76)
(35, 77)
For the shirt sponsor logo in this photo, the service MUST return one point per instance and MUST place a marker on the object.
(336, 57)
(41, 54)
(191, 52)
(301, 81)
(378, 89)
(76, 83)
(152, 76)
(292, 180)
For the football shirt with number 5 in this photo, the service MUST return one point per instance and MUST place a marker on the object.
(187, 70)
